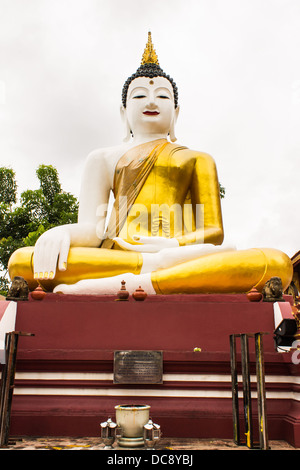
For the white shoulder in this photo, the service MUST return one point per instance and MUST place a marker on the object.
(108, 156)
(96, 156)
(104, 160)
(107, 153)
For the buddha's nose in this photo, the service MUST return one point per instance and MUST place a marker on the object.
(151, 105)
(151, 102)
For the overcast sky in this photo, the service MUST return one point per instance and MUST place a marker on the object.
(237, 67)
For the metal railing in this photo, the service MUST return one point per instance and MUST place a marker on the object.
(7, 383)
(247, 399)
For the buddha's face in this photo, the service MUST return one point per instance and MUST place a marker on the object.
(150, 106)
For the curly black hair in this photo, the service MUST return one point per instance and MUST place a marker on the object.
(150, 71)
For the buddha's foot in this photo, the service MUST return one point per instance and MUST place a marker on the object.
(63, 289)
(169, 257)
(107, 285)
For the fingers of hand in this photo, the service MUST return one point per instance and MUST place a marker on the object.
(44, 261)
(148, 240)
(46, 254)
(127, 245)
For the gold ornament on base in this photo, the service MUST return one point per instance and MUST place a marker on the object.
(123, 294)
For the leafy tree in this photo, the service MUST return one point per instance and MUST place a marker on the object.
(8, 186)
(222, 191)
(49, 181)
(21, 224)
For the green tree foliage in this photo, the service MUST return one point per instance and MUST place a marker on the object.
(21, 224)
(222, 191)
(8, 186)
(49, 182)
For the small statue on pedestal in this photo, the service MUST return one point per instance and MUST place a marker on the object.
(18, 290)
(273, 291)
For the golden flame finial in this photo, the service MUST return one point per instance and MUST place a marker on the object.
(149, 56)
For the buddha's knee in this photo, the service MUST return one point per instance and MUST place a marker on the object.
(277, 264)
(20, 264)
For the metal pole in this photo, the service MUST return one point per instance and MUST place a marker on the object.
(5, 390)
(261, 393)
(246, 390)
(11, 341)
(234, 385)
(3, 394)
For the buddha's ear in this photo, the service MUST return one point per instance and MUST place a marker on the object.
(125, 123)
(173, 138)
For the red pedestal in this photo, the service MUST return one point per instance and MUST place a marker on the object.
(64, 381)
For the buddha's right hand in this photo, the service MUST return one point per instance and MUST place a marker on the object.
(52, 247)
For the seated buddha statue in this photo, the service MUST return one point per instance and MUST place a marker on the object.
(165, 230)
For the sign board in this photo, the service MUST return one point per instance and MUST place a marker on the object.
(138, 367)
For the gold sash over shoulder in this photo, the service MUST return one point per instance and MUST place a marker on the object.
(131, 173)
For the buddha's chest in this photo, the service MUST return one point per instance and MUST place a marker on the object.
(168, 182)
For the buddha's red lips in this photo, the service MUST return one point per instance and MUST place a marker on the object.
(151, 113)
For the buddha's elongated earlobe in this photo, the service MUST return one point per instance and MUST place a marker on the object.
(127, 133)
(126, 124)
(173, 138)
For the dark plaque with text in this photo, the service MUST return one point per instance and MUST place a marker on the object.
(138, 367)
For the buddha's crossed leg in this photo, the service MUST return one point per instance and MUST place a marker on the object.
(190, 269)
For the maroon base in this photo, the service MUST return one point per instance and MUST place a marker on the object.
(80, 334)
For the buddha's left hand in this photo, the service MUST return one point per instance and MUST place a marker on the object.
(147, 244)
